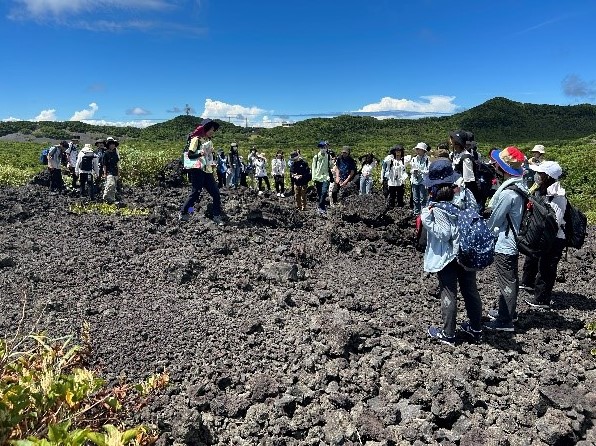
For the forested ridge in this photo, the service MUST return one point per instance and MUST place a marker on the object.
(497, 121)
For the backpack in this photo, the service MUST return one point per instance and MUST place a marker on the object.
(86, 163)
(476, 240)
(43, 156)
(193, 161)
(484, 174)
(539, 226)
(575, 226)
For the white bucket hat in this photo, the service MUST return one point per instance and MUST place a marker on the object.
(538, 148)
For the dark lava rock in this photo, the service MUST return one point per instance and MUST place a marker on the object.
(284, 328)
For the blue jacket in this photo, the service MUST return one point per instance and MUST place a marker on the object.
(442, 242)
(506, 202)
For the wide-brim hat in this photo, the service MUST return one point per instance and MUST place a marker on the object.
(109, 140)
(99, 141)
(551, 168)
(421, 145)
(538, 148)
(440, 172)
(294, 156)
(510, 159)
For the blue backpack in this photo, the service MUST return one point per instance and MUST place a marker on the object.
(43, 156)
(476, 240)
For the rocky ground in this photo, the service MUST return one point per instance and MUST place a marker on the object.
(282, 328)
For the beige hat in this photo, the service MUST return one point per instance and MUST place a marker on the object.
(538, 148)
(422, 146)
(87, 147)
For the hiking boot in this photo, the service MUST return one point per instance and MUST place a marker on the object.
(533, 302)
(183, 217)
(439, 335)
(494, 313)
(497, 325)
(217, 220)
(474, 335)
(529, 289)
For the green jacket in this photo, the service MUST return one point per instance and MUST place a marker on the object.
(320, 167)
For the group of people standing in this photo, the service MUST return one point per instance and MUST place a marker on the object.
(507, 206)
(89, 167)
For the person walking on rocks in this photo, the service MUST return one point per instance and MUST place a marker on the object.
(278, 171)
(87, 168)
(418, 168)
(55, 167)
(539, 274)
(301, 174)
(507, 208)
(440, 257)
(201, 174)
(111, 158)
(321, 171)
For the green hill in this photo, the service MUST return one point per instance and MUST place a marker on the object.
(498, 121)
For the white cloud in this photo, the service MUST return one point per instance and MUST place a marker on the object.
(432, 105)
(82, 115)
(41, 8)
(237, 114)
(11, 119)
(140, 124)
(46, 115)
(137, 111)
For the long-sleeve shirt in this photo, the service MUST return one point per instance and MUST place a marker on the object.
(418, 168)
(507, 202)
(442, 243)
(278, 167)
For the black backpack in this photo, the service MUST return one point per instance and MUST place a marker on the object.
(575, 226)
(484, 174)
(539, 226)
(86, 163)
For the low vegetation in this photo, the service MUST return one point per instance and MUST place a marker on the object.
(48, 396)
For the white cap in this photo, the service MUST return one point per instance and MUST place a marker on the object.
(551, 168)
(538, 148)
(422, 146)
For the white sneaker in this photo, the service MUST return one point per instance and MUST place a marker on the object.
(260, 192)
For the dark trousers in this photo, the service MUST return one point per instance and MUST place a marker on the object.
(86, 179)
(200, 180)
(449, 277)
(322, 192)
(221, 179)
(541, 273)
(396, 193)
(280, 187)
(508, 283)
(266, 180)
(74, 177)
(292, 183)
(56, 182)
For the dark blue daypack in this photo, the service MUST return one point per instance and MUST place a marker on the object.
(43, 156)
(476, 240)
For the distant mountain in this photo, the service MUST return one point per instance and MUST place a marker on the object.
(499, 121)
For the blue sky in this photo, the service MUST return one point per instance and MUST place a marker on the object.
(139, 62)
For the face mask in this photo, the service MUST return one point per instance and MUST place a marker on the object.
(537, 178)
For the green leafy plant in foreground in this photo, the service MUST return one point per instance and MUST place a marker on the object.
(107, 209)
(48, 397)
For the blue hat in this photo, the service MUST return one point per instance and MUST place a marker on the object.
(440, 172)
(322, 144)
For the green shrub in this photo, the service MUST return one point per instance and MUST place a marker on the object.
(48, 397)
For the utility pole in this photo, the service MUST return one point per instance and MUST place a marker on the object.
(246, 123)
(187, 109)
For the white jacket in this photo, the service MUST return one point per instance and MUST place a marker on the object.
(558, 201)
(95, 163)
(54, 156)
(73, 154)
(260, 166)
(395, 172)
(278, 167)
